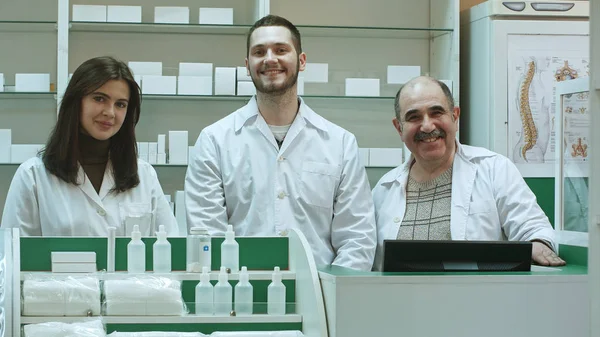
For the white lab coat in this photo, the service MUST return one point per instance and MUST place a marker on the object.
(41, 204)
(315, 183)
(490, 201)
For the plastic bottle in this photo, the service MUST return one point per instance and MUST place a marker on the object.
(136, 252)
(223, 294)
(244, 294)
(276, 295)
(230, 251)
(161, 252)
(205, 294)
(198, 250)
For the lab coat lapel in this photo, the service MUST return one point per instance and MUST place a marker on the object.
(297, 125)
(262, 126)
(463, 178)
(108, 182)
(87, 188)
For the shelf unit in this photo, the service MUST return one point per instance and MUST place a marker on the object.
(359, 41)
(305, 307)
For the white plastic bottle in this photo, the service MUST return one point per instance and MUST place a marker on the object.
(136, 252)
(230, 251)
(276, 295)
(198, 250)
(161, 260)
(244, 294)
(205, 294)
(223, 294)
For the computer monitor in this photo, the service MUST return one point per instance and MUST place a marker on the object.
(428, 256)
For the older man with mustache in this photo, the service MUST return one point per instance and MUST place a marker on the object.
(450, 191)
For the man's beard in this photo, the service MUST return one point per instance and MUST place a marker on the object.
(276, 89)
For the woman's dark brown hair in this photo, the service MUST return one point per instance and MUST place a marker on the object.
(61, 154)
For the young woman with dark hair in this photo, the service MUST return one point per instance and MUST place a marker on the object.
(88, 177)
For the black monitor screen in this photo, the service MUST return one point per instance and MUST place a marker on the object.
(422, 256)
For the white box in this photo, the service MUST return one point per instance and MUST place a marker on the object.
(385, 157)
(194, 85)
(168, 197)
(145, 68)
(363, 154)
(144, 157)
(124, 14)
(242, 74)
(73, 257)
(160, 149)
(245, 88)
(138, 80)
(315, 73)
(5, 145)
(74, 268)
(448, 83)
(195, 69)
(32, 82)
(216, 16)
(362, 87)
(1, 82)
(143, 149)
(300, 86)
(152, 148)
(180, 212)
(161, 158)
(402, 74)
(159, 85)
(178, 147)
(225, 81)
(172, 15)
(20, 153)
(90, 13)
(152, 159)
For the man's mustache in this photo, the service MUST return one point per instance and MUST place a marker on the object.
(433, 134)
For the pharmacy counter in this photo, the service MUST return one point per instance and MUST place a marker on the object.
(549, 302)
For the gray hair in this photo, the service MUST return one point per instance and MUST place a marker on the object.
(442, 85)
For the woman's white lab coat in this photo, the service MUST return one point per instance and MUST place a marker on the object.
(41, 204)
(490, 201)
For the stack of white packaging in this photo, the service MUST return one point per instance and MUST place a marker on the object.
(245, 87)
(20, 153)
(89, 13)
(32, 82)
(225, 81)
(5, 145)
(177, 15)
(61, 296)
(127, 14)
(195, 79)
(143, 296)
(74, 262)
(178, 147)
(93, 328)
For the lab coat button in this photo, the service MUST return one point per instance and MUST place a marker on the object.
(280, 159)
(397, 219)
(283, 232)
(281, 195)
(101, 212)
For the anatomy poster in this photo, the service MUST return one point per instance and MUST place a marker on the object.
(535, 64)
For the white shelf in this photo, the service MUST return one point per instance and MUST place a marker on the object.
(255, 275)
(188, 319)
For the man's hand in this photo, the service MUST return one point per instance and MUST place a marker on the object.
(544, 256)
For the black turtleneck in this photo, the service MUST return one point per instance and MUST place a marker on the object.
(93, 156)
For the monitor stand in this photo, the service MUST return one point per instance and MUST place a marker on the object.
(460, 265)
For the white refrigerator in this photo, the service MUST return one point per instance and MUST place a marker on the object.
(512, 55)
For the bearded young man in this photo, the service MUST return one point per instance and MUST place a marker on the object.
(276, 165)
(450, 191)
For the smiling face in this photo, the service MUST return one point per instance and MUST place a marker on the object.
(273, 62)
(103, 111)
(428, 124)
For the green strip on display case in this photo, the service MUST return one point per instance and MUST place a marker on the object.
(255, 253)
(207, 328)
(543, 188)
(574, 254)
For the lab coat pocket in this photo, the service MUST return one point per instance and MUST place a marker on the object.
(483, 221)
(137, 213)
(319, 181)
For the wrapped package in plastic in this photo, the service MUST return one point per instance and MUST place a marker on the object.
(157, 334)
(61, 296)
(92, 328)
(257, 334)
(143, 296)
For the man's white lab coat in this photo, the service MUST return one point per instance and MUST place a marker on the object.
(41, 204)
(490, 201)
(315, 183)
